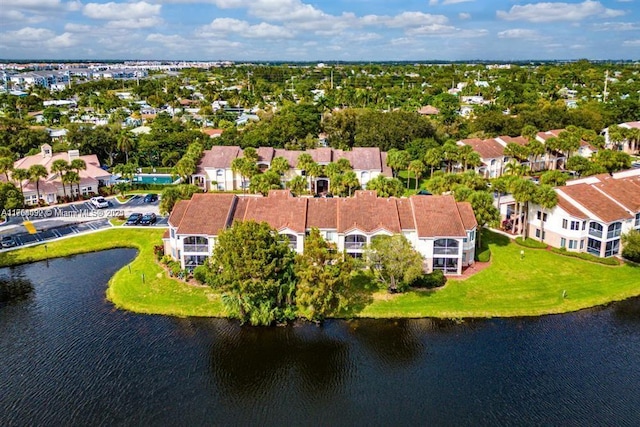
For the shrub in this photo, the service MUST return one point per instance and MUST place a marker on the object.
(435, 279)
(158, 250)
(483, 255)
(586, 257)
(200, 274)
(530, 243)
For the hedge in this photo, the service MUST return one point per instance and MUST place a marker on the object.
(530, 243)
(586, 256)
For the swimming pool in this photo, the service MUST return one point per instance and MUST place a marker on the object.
(150, 178)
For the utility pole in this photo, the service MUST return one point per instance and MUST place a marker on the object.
(606, 80)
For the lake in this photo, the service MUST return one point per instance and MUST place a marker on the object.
(68, 357)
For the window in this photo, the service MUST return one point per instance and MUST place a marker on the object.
(537, 232)
(614, 230)
(612, 248)
(584, 225)
(595, 229)
(539, 215)
(593, 246)
(293, 241)
(563, 242)
(192, 261)
(445, 247)
(448, 265)
(331, 236)
(573, 244)
(581, 244)
(575, 225)
(173, 233)
(355, 241)
(637, 224)
(564, 223)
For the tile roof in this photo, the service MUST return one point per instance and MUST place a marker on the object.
(595, 202)
(430, 216)
(219, 156)
(206, 213)
(486, 148)
(569, 208)
(322, 213)
(520, 140)
(280, 210)
(624, 191)
(437, 216)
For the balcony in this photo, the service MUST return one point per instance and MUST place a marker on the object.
(355, 245)
(595, 233)
(196, 249)
(445, 251)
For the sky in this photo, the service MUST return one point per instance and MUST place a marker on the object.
(323, 31)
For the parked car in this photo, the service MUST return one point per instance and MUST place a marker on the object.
(7, 241)
(148, 219)
(99, 202)
(150, 198)
(134, 219)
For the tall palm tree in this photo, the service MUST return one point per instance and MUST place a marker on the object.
(20, 175)
(73, 177)
(36, 172)
(6, 166)
(60, 167)
(418, 168)
(77, 165)
(545, 197)
(126, 143)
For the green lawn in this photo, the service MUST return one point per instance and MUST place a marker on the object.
(516, 287)
(509, 287)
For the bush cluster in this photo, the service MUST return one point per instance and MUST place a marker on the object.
(432, 280)
(586, 256)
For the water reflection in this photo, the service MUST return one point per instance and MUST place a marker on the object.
(15, 288)
(253, 362)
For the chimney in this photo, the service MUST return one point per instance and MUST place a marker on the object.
(73, 154)
(45, 149)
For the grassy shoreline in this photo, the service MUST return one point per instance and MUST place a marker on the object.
(541, 283)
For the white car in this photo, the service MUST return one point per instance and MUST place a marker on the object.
(99, 202)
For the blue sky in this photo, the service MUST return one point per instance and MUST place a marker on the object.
(302, 30)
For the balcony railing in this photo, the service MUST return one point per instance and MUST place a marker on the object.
(445, 251)
(196, 248)
(595, 233)
(354, 245)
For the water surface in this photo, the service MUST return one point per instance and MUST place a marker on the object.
(68, 357)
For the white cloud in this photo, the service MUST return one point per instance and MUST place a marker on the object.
(30, 38)
(433, 2)
(455, 1)
(404, 19)
(631, 43)
(222, 26)
(519, 33)
(464, 15)
(617, 26)
(132, 24)
(32, 4)
(550, 12)
(77, 28)
(121, 11)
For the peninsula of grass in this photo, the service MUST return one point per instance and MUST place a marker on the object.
(542, 282)
(158, 294)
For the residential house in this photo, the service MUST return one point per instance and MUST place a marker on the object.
(591, 214)
(491, 154)
(627, 145)
(214, 169)
(50, 188)
(442, 230)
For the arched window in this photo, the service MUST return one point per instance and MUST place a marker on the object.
(614, 230)
(445, 247)
(364, 177)
(355, 241)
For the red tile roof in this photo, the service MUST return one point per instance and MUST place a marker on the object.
(430, 216)
(595, 202)
(624, 191)
(486, 148)
(437, 216)
(569, 208)
(218, 157)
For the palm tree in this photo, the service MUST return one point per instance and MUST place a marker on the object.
(77, 165)
(6, 165)
(418, 168)
(73, 177)
(35, 173)
(20, 175)
(433, 158)
(523, 191)
(125, 143)
(60, 167)
(545, 197)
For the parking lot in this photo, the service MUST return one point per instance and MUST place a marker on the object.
(59, 221)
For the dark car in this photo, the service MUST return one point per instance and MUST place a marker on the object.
(148, 219)
(150, 198)
(7, 241)
(134, 219)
